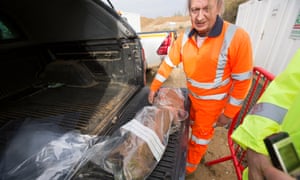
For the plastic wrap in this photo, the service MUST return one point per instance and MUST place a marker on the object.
(54, 160)
(131, 152)
(135, 149)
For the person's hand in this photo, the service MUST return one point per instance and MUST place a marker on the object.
(261, 168)
(223, 121)
(257, 163)
(151, 96)
(272, 173)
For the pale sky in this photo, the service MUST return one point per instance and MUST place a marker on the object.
(152, 8)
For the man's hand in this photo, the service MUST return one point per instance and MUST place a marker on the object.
(257, 163)
(151, 96)
(223, 121)
(261, 168)
(272, 173)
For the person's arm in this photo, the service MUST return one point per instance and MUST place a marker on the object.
(241, 66)
(268, 116)
(166, 67)
(261, 168)
(262, 120)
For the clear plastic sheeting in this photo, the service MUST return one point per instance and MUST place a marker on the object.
(40, 148)
(130, 153)
(134, 150)
(54, 160)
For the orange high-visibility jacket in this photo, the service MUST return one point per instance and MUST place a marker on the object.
(220, 68)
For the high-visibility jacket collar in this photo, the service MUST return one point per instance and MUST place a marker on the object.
(215, 31)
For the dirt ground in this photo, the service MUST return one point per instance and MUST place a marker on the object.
(165, 23)
(218, 147)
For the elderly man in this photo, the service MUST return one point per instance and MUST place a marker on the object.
(217, 61)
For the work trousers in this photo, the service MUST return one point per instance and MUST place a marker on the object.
(203, 116)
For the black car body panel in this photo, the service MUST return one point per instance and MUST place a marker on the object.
(78, 64)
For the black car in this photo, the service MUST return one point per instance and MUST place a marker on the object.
(71, 65)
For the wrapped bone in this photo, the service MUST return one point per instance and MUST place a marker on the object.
(134, 150)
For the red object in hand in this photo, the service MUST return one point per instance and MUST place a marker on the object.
(164, 47)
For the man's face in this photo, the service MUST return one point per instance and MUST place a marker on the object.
(203, 15)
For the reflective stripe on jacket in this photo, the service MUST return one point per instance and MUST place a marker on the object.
(212, 69)
(277, 110)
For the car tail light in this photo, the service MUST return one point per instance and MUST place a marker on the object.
(163, 48)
